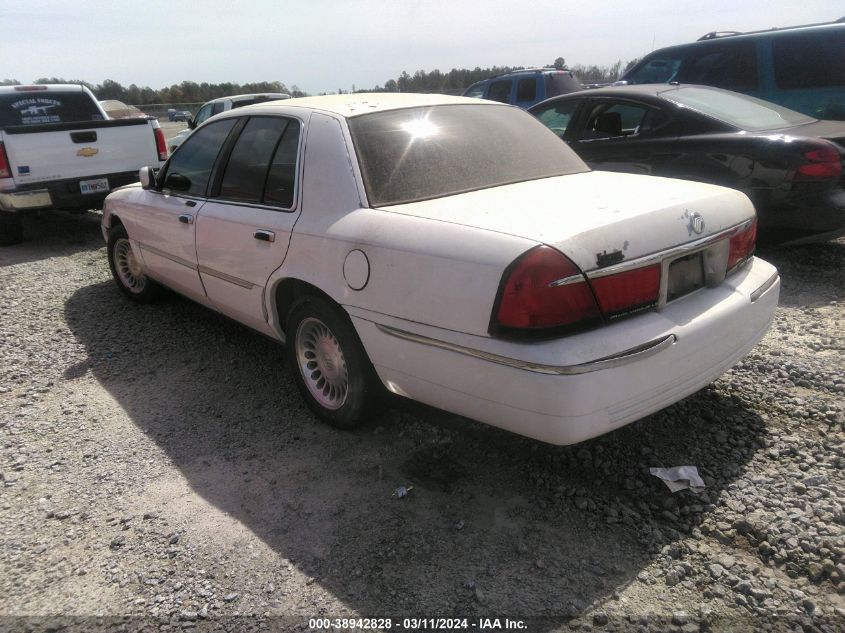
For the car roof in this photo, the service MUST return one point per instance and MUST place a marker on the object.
(709, 38)
(350, 105)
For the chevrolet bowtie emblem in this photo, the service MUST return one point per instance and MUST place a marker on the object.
(87, 151)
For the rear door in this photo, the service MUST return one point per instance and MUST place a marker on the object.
(166, 219)
(244, 229)
(626, 136)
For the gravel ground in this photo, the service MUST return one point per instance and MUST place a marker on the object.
(160, 471)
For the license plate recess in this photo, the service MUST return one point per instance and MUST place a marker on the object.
(686, 274)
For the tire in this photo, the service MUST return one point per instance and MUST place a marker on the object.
(126, 269)
(329, 363)
(11, 229)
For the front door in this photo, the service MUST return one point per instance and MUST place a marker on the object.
(244, 229)
(167, 234)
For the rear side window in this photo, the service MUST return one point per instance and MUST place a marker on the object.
(249, 161)
(195, 157)
(809, 60)
(281, 179)
(730, 65)
(500, 91)
(40, 107)
(526, 89)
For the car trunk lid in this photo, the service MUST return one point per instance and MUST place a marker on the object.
(597, 219)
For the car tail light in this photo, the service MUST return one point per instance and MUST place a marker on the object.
(5, 169)
(742, 245)
(541, 291)
(823, 163)
(628, 292)
(161, 146)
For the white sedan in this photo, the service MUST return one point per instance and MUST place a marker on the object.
(452, 251)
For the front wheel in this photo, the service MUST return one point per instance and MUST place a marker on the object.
(127, 270)
(329, 363)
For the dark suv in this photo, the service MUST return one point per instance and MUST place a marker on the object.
(524, 88)
(799, 67)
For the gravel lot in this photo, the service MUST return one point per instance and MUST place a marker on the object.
(159, 470)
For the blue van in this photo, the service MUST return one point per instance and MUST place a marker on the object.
(800, 67)
(526, 87)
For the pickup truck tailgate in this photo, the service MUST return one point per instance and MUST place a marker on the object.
(76, 150)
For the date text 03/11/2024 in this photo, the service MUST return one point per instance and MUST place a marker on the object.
(416, 624)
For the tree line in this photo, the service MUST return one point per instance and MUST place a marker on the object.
(454, 81)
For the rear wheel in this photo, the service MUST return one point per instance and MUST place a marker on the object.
(329, 363)
(11, 229)
(127, 270)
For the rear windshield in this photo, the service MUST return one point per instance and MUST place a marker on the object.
(560, 83)
(740, 111)
(40, 107)
(431, 152)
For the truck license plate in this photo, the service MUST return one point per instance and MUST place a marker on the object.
(99, 185)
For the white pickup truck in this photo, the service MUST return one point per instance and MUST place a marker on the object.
(59, 150)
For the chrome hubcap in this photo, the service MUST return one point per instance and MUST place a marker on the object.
(128, 267)
(321, 363)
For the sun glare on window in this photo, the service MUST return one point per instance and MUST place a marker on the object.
(419, 128)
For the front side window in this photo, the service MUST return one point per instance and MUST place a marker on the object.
(500, 91)
(195, 157)
(476, 91)
(611, 120)
(260, 157)
(430, 152)
(558, 116)
(658, 70)
(204, 113)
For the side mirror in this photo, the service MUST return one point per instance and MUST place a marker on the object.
(147, 176)
(177, 182)
(192, 123)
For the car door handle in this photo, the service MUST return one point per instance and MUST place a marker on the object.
(190, 203)
(186, 219)
(265, 236)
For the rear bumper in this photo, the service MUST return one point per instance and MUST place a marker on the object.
(61, 194)
(655, 359)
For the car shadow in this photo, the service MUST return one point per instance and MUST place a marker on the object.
(818, 267)
(492, 522)
(54, 234)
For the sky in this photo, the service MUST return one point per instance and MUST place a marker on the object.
(327, 45)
